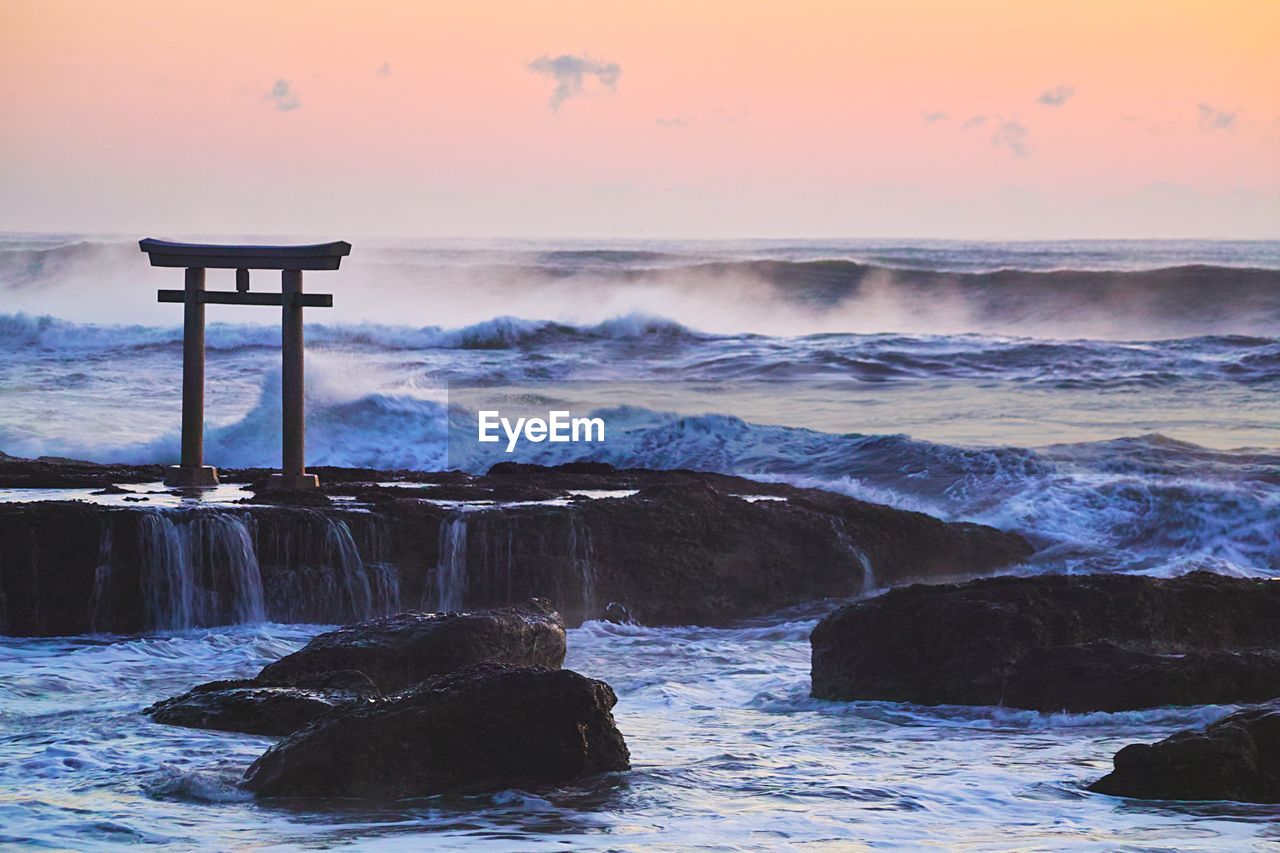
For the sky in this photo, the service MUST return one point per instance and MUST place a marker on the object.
(654, 119)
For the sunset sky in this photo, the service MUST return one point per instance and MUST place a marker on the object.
(643, 119)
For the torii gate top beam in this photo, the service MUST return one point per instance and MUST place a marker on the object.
(318, 256)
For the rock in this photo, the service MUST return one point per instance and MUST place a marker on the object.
(1106, 677)
(249, 707)
(485, 728)
(1055, 642)
(1236, 758)
(618, 614)
(400, 650)
(342, 668)
(671, 547)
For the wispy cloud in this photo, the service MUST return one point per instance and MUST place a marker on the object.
(1211, 118)
(973, 121)
(1012, 135)
(1057, 96)
(675, 121)
(934, 116)
(283, 96)
(384, 70)
(570, 73)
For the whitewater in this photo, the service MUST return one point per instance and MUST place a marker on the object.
(1117, 403)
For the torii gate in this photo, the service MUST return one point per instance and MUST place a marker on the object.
(291, 261)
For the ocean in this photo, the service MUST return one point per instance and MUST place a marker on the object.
(1117, 403)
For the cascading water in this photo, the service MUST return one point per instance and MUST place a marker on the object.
(869, 584)
(351, 571)
(198, 569)
(581, 552)
(451, 570)
(98, 610)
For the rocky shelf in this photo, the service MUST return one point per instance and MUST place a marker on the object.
(656, 547)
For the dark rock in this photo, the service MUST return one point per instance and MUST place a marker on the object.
(112, 489)
(485, 728)
(278, 497)
(246, 706)
(1087, 642)
(55, 472)
(404, 649)
(359, 662)
(1106, 677)
(687, 549)
(618, 614)
(1236, 758)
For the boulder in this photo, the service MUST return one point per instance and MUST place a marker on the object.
(484, 728)
(351, 665)
(1106, 677)
(401, 650)
(1056, 642)
(249, 707)
(1236, 758)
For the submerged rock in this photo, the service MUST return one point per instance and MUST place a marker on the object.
(1236, 758)
(404, 649)
(484, 728)
(1055, 642)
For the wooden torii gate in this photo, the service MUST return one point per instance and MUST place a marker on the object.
(291, 261)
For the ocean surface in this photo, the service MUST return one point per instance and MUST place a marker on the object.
(1116, 402)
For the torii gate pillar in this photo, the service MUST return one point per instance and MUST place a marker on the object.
(291, 261)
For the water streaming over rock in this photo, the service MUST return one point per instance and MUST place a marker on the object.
(581, 552)
(198, 568)
(859, 556)
(450, 576)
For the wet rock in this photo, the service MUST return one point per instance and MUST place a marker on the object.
(676, 547)
(1050, 643)
(249, 707)
(485, 728)
(400, 650)
(618, 614)
(1236, 758)
(1107, 677)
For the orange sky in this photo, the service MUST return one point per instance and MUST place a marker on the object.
(727, 118)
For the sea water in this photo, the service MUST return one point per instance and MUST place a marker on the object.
(1129, 423)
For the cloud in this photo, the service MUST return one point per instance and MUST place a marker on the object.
(1012, 135)
(1215, 119)
(1057, 96)
(384, 70)
(675, 121)
(974, 121)
(931, 117)
(283, 96)
(571, 72)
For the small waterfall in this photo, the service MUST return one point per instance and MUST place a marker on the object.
(869, 584)
(581, 553)
(99, 604)
(365, 589)
(451, 571)
(199, 568)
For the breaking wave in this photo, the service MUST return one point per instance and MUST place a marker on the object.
(1154, 289)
